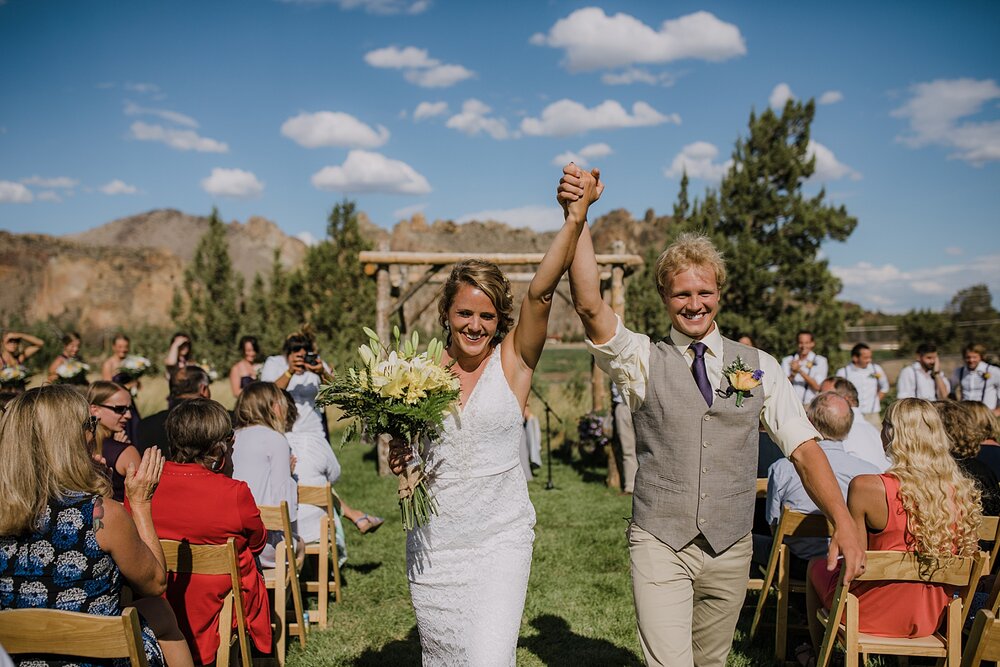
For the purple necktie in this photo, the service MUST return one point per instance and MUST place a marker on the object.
(699, 373)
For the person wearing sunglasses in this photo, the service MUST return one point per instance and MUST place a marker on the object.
(112, 405)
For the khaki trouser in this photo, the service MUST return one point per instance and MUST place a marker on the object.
(874, 419)
(626, 436)
(687, 602)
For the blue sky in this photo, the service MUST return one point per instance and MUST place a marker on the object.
(462, 109)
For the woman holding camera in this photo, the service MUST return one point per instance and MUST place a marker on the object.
(300, 372)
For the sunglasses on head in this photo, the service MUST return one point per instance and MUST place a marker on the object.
(117, 409)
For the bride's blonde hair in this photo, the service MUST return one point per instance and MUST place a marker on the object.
(943, 506)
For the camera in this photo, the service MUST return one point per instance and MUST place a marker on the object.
(311, 358)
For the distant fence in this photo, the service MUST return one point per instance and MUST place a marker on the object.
(886, 337)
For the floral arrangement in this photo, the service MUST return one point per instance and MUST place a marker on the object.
(742, 379)
(13, 376)
(71, 370)
(134, 367)
(591, 429)
(402, 393)
(207, 366)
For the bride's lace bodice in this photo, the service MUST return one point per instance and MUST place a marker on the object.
(482, 438)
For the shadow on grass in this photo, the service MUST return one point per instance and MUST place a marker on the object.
(556, 644)
(362, 568)
(401, 652)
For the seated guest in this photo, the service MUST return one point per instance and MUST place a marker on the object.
(989, 426)
(198, 502)
(923, 503)
(923, 378)
(966, 439)
(70, 353)
(299, 372)
(832, 416)
(64, 544)
(262, 457)
(864, 440)
(244, 371)
(187, 383)
(112, 405)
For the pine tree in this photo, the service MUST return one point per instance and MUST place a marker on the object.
(771, 234)
(209, 305)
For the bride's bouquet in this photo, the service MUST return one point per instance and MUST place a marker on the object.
(134, 367)
(72, 371)
(405, 394)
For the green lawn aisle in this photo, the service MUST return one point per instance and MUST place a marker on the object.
(579, 604)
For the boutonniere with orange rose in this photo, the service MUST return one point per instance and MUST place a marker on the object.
(742, 379)
(875, 375)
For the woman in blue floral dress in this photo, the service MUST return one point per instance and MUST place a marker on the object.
(63, 543)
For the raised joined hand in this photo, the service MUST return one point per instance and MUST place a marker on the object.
(578, 189)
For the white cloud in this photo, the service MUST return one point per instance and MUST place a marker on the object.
(429, 110)
(232, 183)
(332, 128)
(14, 193)
(182, 140)
(781, 94)
(582, 157)
(307, 238)
(49, 195)
(132, 109)
(567, 117)
(419, 68)
(593, 40)
(538, 218)
(384, 7)
(698, 160)
(935, 110)
(636, 75)
(831, 97)
(408, 212)
(118, 187)
(897, 290)
(58, 182)
(406, 58)
(441, 76)
(953, 250)
(364, 171)
(828, 168)
(473, 120)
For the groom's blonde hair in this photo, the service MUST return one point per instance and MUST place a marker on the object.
(689, 250)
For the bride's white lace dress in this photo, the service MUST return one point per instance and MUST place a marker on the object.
(468, 568)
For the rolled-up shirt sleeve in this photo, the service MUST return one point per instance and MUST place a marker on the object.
(783, 415)
(625, 358)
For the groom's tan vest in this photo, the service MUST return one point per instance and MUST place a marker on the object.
(697, 464)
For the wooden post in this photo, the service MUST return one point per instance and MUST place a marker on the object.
(383, 298)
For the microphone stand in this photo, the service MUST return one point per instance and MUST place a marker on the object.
(548, 435)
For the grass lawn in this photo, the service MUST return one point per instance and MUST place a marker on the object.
(579, 605)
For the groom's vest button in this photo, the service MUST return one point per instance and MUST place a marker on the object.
(705, 469)
(708, 417)
(704, 444)
(704, 495)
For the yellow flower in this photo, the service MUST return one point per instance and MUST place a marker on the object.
(743, 381)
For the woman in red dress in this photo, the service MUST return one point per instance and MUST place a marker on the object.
(922, 503)
(198, 501)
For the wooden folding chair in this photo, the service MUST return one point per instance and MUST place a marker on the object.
(325, 549)
(790, 524)
(761, 487)
(897, 566)
(283, 576)
(984, 642)
(72, 633)
(186, 558)
(989, 531)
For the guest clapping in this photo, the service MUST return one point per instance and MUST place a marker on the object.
(244, 371)
(75, 543)
(112, 405)
(198, 502)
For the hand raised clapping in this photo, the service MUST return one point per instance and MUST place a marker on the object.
(142, 482)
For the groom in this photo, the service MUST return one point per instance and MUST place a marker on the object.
(692, 509)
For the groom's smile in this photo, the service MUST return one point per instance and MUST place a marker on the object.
(692, 300)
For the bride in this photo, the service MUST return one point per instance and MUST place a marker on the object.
(468, 567)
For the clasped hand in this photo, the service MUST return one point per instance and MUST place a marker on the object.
(578, 189)
(400, 453)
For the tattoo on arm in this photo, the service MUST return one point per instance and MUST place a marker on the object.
(98, 514)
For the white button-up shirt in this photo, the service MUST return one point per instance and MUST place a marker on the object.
(915, 382)
(982, 384)
(626, 359)
(869, 381)
(816, 367)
